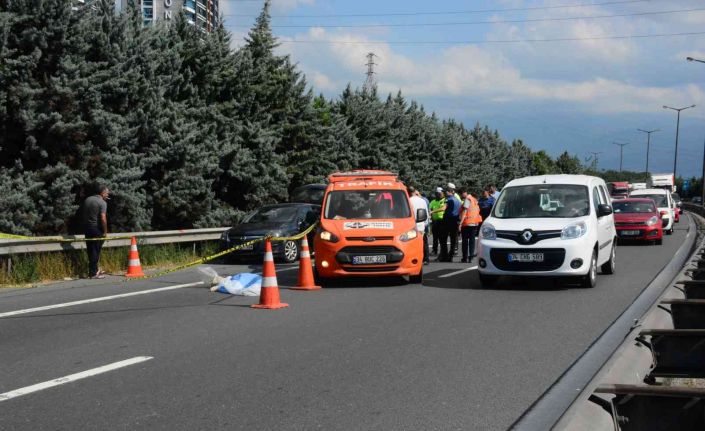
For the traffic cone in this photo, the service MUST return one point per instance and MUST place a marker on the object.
(134, 267)
(305, 269)
(269, 293)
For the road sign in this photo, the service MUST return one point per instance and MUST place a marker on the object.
(686, 185)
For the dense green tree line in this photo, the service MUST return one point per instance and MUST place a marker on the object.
(189, 133)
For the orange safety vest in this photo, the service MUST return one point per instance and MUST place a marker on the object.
(471, 216)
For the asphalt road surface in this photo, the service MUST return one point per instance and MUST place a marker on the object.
(371, 355)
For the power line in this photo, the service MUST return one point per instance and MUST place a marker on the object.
(457, 12)
(507, 21)
(480, 41)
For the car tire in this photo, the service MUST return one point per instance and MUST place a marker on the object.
(589, 280)
(610, 266)
(659, 241)
(416, 279)
(670, 231)
(487, 281)
(290, 253)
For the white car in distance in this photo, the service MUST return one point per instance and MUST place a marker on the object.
(664, 203)
(550, 225)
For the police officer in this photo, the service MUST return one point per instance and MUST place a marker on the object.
(451, 214)
(470, 219)
(436, 208)
(486, 202)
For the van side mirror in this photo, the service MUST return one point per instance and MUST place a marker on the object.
(421, 215)
(603, 210)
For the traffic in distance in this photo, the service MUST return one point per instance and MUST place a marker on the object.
(562, 226)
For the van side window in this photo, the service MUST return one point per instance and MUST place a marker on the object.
(596, 198)
(603, 195)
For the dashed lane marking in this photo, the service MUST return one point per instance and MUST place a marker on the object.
(72, 377)
(450, 274)
(99, 299)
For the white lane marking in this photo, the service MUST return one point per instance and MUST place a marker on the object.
(457, 272)
(288, 269)
(72, 377)
(99, 299)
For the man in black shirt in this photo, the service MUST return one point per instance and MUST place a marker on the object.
(95, 225)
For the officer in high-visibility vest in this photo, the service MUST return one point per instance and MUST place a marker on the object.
(470, 219)
(436, 206)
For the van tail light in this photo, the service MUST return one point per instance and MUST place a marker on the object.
(663, 213)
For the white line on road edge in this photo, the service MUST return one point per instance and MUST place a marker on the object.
(100, 299)
(445, 275)
(288, 269)
(73, 377)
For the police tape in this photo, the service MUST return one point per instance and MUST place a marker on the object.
(228, 251)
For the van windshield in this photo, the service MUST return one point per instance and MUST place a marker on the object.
(367, 204)
(543, 200)
(660, 199)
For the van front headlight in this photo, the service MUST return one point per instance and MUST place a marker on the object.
(329, 236)
(408, 236)
(487, 231)
(575, 230)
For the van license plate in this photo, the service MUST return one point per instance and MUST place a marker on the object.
(367, 260)
(630, 232)
(525, 257)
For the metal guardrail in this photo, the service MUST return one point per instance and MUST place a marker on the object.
(696, 209)
(625, 394)
(577, 383)
(15, 246)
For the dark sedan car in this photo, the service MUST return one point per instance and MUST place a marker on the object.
(276, 220)
(309, 194)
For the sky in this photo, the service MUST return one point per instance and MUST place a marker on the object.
(479, 61)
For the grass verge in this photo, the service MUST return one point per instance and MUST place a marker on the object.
(43, 267)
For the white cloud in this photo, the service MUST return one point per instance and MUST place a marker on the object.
(479, 73)
(322, 82)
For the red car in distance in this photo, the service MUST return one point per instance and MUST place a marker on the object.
(638, 219)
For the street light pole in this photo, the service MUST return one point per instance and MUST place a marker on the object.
(621, 150)
(702, 180)
(648, 144)
(678, 123)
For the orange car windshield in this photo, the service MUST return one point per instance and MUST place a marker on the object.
(367, 204)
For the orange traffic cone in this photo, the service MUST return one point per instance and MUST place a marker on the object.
(134, 267)
(269, 294)
(306, 281)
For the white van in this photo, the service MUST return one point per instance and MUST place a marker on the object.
(665, 204)
(551, 225)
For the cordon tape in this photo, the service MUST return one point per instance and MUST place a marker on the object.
(178, 268)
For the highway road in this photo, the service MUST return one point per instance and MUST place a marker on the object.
(445, 355)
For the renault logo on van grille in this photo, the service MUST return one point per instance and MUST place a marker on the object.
(527, 235)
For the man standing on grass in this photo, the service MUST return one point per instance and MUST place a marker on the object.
(95, 225)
